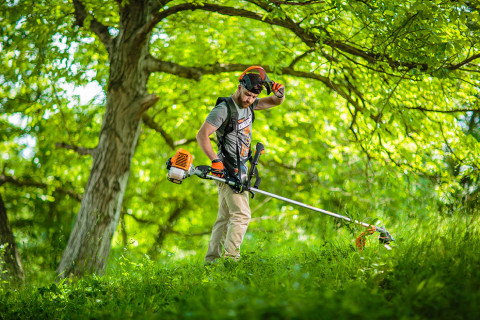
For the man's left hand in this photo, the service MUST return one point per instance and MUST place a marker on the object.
(217, 168)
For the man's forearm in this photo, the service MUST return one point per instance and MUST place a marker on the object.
(206, 146)
(277, 101)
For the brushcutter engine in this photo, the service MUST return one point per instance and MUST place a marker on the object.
(180, 166)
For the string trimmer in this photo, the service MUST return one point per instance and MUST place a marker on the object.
(181, 167)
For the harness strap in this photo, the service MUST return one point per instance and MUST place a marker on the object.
(231, 125)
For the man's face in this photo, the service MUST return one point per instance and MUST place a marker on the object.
(246, 97)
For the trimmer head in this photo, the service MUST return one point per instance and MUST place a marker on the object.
(384, 239)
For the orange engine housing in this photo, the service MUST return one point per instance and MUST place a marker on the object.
(182, 159)
(180, 166)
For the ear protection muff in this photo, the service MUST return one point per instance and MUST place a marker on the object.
(245, 81)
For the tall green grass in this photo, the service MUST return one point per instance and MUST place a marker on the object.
(433, 272)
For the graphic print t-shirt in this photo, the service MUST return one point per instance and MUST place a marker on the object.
(217, 118)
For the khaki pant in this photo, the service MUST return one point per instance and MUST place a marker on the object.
(231, 225)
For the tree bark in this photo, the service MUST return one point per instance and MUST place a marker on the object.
(127, 98)
(10, 264)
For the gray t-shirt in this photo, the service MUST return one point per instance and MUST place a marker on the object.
(217, 118)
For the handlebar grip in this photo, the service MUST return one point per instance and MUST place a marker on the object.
(259, 149)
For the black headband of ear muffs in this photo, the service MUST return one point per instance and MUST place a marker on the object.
(254, 81)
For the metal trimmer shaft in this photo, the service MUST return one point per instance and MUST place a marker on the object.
(272, 195)
(385, 237)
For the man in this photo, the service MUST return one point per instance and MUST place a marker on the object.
(234, 140)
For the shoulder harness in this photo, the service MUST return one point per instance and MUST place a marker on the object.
(231, 122)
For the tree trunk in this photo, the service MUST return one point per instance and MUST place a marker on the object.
(10, 265)
(127, 98)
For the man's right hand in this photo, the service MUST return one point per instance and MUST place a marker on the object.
(217, 168)
(278, 89)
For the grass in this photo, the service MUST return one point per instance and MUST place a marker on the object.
(432, 273)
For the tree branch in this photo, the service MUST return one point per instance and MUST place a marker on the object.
(300, 57)
(158, 4)
(327, 81)
(464, 62)
(441, 111)
(148, 121)
(95, 26)
(184, 142)
(229, 11)
(297, 3)
(77, 149)
(146, 102)
(156, 65)
(310, 39)
(140, 220)
(196, 73)
(197, 234)
(32, 183)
